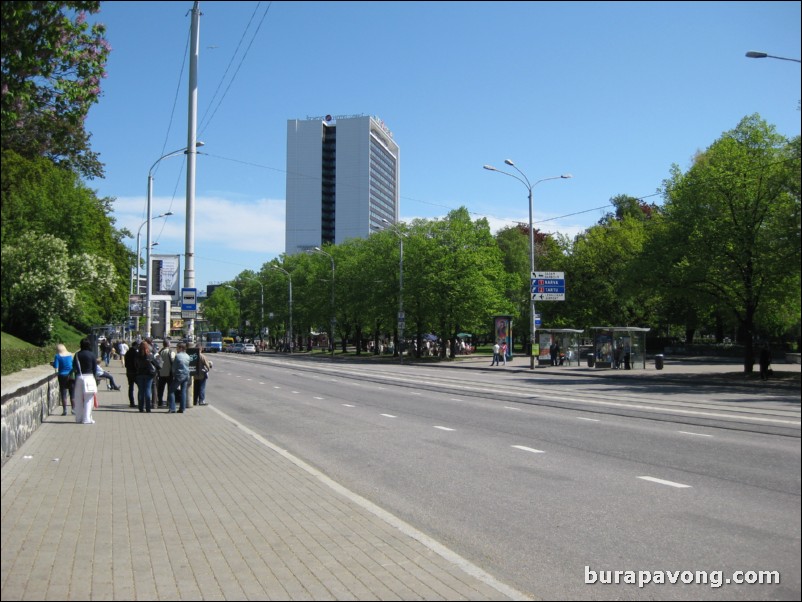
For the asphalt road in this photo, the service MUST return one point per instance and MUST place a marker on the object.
(548, 481)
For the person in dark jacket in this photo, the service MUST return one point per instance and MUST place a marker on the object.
(146, 370)
(765, 361)
(84, 363)
(130, 370)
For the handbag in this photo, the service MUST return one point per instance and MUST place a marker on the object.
(90, 384)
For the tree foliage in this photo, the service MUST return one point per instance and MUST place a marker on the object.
(732, 230)
(52, 64)
(40, 200)
(42, 281)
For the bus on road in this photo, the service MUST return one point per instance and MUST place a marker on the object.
(213, 342)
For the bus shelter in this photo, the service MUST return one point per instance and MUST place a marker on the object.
(558, 346)
(618, 347)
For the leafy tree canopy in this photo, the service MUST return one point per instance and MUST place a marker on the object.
(52, 64)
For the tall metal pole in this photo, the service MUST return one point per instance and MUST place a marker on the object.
(189, 257)
(239, 292)
(275, 267)
(532, 314)
(529, 186)
(401, 317)
(333, 318)
(262, 322)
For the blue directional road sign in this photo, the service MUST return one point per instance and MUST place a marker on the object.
(548, 286)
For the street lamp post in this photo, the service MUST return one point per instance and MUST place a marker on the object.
(525, 181)
(135, 290)
(239, 292)
(275, 267)
(262, 319)
(753, 54)
(180, 151)
(401, 317)
(333, 319)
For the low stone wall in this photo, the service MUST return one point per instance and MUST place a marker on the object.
(28, 398)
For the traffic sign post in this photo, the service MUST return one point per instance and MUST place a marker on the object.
(189, 303)
(548, 286)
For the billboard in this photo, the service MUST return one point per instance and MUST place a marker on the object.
(165, 282)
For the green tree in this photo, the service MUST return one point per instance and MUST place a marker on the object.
(42, 281)
(52, 64)
(41, 197)
(732, 231)
(222, 309)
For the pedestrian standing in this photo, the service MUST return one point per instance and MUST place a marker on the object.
(105, 350)
(496, 350)
(504, 352)
(146, 370)
(123, 351)
(130, 370)
(85, 383)
(765, 361)
(180, 379)
(167, 356)
(66, 380)
(201, 376)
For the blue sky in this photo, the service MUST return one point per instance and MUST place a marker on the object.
(613, 93)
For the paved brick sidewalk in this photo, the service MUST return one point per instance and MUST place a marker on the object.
(174, 507)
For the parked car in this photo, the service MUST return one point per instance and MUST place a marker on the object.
(248, 348)
(237, 347)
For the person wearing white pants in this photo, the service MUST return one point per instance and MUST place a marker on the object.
(85, 362)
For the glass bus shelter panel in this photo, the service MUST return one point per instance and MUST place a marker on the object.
(620, 347)
(567, 339)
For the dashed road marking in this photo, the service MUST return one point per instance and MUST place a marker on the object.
(529, 449)
(664, 482)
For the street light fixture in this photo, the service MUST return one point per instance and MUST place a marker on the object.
(135, 289)
(753, 54)
(401, 317)
(180, 151)
(262, 322)
(333, 319)
(525, 181)
(239, 292)
(275, 267)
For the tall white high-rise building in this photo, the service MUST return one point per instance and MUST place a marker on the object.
(342, 180)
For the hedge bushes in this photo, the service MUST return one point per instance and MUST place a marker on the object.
(15, 360)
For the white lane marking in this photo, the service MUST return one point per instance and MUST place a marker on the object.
(443, 428)
(529, 449)
(694, 434)
(296, 392)
(348, 405)
(276, 387)
(513, 409)
(664, 482)
(321, 398)
(261, 383)
(415, 393)
(455, 399)
(389, 416)
(588, 419)
(388, 518)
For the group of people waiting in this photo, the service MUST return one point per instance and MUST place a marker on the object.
(151, 373)
(169, 370)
